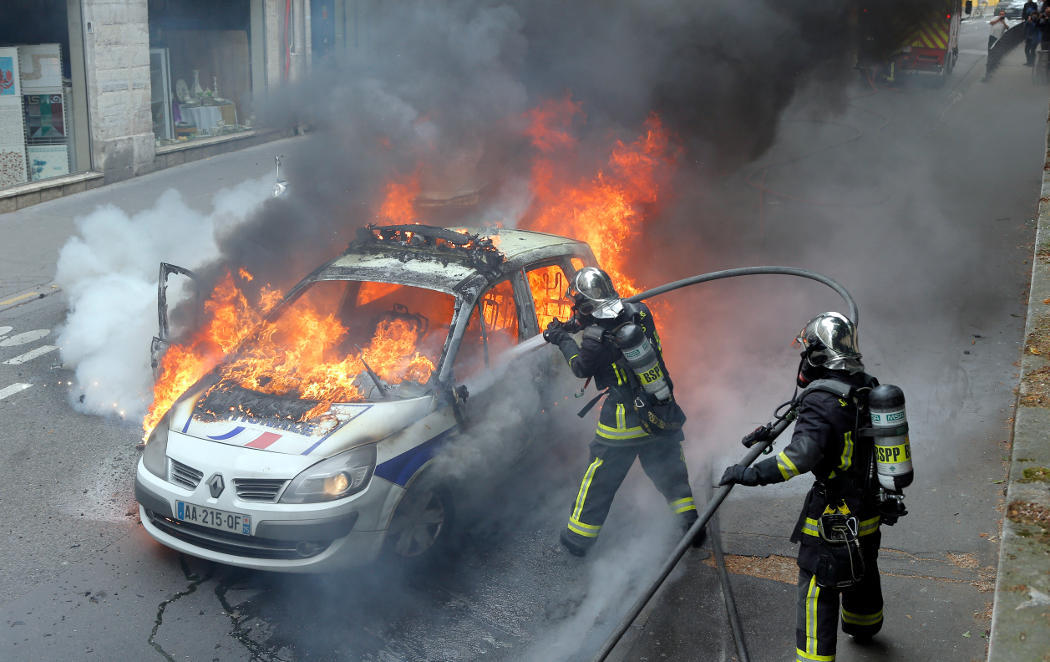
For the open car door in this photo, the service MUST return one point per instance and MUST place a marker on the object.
(163, 338)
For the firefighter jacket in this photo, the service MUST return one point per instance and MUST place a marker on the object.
(825, 443)
(598, 357)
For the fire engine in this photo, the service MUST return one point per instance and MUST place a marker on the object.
(924, 41)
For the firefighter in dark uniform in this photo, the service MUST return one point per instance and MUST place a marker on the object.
(824, 443)
(621, 436)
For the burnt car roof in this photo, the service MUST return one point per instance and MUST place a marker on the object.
(447, 259)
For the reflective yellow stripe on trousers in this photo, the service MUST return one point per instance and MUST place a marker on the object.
(861, 619)
(803, 656)
(682, 505)
(811, 621)
(575, 525)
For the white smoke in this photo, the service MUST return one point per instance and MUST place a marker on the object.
(108, 273)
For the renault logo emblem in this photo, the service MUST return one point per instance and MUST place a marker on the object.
(216, 485)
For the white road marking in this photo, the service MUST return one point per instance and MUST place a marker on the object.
(12, 389)
(24, 338)
(30, 355)
(4, 330)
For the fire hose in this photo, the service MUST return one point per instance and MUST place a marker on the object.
(537, 341)
(679, 551)
(753, 271)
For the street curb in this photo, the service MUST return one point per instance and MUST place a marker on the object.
(1021, 613)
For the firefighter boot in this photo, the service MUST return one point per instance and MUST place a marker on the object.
(688, 519)
(572, 547)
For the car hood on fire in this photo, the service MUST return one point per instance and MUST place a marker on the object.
(344, 426)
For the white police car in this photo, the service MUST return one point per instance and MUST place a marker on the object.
(270, 479)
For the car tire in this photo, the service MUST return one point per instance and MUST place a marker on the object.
(420, 525)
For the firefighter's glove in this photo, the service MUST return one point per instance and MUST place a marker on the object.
(891, 510)
(555, 332)
(738, 473)
(572, 325)
(759, 434)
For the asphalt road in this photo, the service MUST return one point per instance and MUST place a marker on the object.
(931, 235)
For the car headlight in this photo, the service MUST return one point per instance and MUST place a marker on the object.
(155, 455)
(334, 478)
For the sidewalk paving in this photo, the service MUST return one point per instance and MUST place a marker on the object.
(1021, 616)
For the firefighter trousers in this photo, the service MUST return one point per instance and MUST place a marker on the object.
(819, 610)
(664, 464)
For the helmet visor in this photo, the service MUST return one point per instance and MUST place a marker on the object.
(594, 283)
(593, 292)
(830, 341)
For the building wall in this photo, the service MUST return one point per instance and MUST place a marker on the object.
(80, 150)
(117, 74)
(287, 46)
(116, 57)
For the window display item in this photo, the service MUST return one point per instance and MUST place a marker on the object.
(40, 68)
(182, 91)
(12, 132)
(47, 161)
(205, 118)
(44, 116)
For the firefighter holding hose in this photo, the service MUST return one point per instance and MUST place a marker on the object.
(838, 527)
(620, 350)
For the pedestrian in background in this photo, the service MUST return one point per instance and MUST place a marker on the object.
(997, 28)
(1032, 36)
(1043, 24)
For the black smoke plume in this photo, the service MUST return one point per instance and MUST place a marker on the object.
(443, 88)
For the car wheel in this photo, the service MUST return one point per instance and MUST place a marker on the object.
(420, 522)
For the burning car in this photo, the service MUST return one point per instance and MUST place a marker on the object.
(311, 444)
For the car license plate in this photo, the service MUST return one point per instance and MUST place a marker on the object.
(213, 518)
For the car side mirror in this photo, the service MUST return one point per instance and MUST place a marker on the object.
(280, 187)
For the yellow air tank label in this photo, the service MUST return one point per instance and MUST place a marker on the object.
(893, 454)
(651, 375)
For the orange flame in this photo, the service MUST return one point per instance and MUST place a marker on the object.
(229, 320)
(550, 124)
(609, 209)
(548, 285)
(399, 204)
(298, 354)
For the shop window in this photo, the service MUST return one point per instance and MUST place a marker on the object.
(36, 94)
(34, 104)
(200, 69)
(483, 343)
(548, 285)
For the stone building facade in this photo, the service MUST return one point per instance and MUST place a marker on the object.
(150, 83)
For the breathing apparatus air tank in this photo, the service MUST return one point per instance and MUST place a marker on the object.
(892, 447)
(643, 361)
